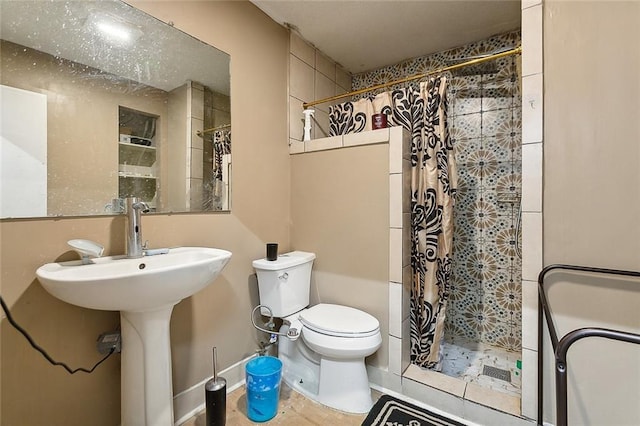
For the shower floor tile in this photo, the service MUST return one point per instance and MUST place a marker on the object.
(465, 360)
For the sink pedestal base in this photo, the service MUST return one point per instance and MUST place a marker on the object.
(146, 388)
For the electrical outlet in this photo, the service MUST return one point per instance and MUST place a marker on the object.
(108, 341)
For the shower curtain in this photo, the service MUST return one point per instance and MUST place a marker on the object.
(423, 112)
(221, 146)
(221, 140)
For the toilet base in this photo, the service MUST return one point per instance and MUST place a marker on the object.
(344, 385)
(339, 384)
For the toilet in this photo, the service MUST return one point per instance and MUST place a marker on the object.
(322, 347)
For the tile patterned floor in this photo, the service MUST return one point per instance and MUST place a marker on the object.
(466, 360)
(293, 410)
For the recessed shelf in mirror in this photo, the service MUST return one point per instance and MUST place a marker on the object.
(136, 154)
(137, 159)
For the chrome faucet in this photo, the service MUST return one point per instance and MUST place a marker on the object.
(134, 206)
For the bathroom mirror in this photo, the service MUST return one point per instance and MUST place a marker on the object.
(101, 101)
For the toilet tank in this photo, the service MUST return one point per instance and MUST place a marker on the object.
(284, 283)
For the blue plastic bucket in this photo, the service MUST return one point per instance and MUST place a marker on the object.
(263, 387)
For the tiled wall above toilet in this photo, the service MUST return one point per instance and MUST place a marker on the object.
(312, 75)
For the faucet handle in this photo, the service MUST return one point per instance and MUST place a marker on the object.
(145, 245)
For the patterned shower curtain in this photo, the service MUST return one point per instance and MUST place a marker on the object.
(221, 140)
(423, 112)
(221, 146)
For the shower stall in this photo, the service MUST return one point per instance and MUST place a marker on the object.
(483, 325)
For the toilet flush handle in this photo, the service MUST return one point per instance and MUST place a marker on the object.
(284, 276)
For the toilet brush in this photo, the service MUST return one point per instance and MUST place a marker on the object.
(216, 397)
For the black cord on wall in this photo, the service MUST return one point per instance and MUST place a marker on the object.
(42, 351)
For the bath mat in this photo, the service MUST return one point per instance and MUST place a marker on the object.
(391, 411)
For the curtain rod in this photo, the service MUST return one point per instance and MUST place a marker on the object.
(514, 51)
(213, 129)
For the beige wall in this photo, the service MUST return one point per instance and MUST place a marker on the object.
(34, 392)
(592, 195)
(592, 135)
(340, 211)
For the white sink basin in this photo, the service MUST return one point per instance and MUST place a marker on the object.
(145, 291)
(119, 284)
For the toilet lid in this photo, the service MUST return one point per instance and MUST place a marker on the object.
(337, 320)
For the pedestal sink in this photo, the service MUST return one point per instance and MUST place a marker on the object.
(144, 290)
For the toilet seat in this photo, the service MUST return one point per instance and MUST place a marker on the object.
(339, 321)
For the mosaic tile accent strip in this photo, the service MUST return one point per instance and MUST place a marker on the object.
(485, 123)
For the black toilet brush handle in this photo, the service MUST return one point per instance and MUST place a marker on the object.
(216, 397)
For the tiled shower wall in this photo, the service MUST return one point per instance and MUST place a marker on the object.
(195, 116)
(485, 126)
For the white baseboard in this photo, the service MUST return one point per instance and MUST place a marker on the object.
(190, 402)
